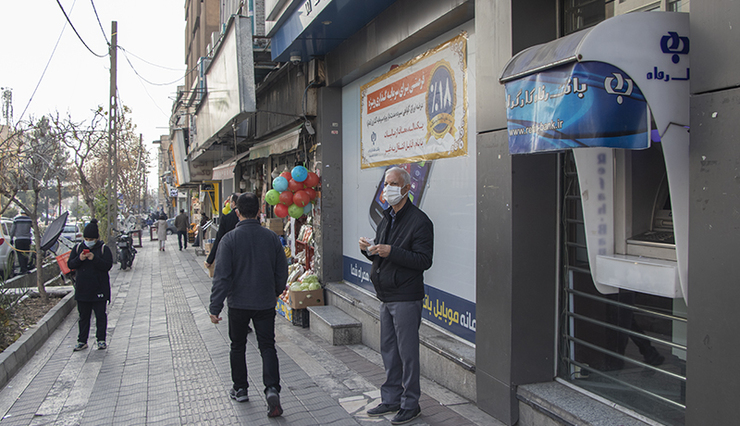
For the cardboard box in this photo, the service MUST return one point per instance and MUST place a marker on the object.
(275, 225)
(304, 299)
(284, 310)
(210, 269)
(207, 248)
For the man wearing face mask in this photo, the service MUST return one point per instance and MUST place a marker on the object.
(403, 249)
(91, 261)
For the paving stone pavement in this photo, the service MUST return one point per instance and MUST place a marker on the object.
(167, 364)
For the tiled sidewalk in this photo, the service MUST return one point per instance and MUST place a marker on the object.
(167, 364)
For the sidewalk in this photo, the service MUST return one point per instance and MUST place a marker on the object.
(167, 364)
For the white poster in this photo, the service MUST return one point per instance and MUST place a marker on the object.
(417, 111)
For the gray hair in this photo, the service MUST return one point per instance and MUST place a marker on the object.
(404, 174)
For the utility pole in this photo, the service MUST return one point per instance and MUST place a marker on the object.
(112, 149)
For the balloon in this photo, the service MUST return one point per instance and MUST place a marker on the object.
(308, 208)
(301, 198)
(280, 184)
(281, 210)
(286, 197)
(312, 179)
(286, 175)
(295, 211)
(226, 210)
(311, 193)
(299, 173)
(272, 197)
(295, 186)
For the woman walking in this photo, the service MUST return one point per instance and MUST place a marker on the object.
(91, 260)
(162, 231)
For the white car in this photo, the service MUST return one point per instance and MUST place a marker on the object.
(7, 255)
(72, 232)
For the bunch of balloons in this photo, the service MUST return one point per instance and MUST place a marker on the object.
(293, 192)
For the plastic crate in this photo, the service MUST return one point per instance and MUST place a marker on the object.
(300, 317)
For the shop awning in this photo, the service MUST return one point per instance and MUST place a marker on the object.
(225, 170)
(283, 143)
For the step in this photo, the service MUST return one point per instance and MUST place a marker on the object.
(334, 325)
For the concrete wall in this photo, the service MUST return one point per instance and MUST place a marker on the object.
(714, 236)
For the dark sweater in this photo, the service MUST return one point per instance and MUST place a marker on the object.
(251, 269)
(400, 276)
(91, 276)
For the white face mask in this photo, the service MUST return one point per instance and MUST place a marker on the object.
(90, 244)
(392, 194)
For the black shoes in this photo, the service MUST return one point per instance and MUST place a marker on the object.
(383, 409)
(273, 403)
(405, 416)
(239, 395)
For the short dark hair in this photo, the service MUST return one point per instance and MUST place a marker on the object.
(182, 210)
(235, 198)
(248, 205)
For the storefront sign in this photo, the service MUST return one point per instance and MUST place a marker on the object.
(419, 110)
(581, 104)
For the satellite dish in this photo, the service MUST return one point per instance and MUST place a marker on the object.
(53, 232)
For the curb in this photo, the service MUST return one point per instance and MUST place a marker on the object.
(15, 356)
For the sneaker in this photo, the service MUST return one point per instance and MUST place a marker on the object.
(79, 346)
(102, 345)
(239, 395)
(273, 403)
(383, 409)
(405, 416)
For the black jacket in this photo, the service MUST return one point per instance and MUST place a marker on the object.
(251, 269)
(225, 225)
(91, 276)
(400, 276)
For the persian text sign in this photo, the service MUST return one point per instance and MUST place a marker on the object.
(419, 110)
(588, 104)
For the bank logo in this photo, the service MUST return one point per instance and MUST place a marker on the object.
(674, 44)
(622, 87)
(441, 100)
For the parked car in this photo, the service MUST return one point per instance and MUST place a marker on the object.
(7, 255)
(171, 226)
(72, 232)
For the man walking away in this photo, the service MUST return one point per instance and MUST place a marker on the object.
(182, 223)
(402, 251)
(251, 272)
(20, 237)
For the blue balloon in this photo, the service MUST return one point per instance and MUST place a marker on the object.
(299, 173)
(280, 184)
(307, 208)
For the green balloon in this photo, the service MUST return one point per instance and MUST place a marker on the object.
(272, 197)
(295, 211)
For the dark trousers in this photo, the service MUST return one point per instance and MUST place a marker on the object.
(25, 245)
(180, 236)
(101, 320)
(399, 348)
(264, 328)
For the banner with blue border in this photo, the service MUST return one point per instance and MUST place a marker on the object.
(443, 309)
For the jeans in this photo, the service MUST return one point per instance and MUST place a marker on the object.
(264, 329)
(180, 236)
(399, 348)
(101, 320)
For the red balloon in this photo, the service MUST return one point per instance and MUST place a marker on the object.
(301, 198)
(286, 197)
(311, 180)
(311, 193)
(281, 210)
(294, 186)
(286, 174)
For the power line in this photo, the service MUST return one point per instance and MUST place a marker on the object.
(78, 34)
(101, 25)
(147, 62)
(125, 55)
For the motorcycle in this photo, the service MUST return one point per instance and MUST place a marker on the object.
(126, 250)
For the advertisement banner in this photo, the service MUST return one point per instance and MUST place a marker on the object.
(418, 111)
(582, 104)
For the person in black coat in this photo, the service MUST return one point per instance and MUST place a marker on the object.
(226, 224)
(91, 261)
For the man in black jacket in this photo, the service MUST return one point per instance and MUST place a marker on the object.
(227, 223)
(91, 261)
(401, 252)
(251, 271)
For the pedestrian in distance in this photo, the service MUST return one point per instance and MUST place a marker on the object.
(162, 231)
(401, 251)
(20, 238)
(91, 260)
(251, 272)
(181, 223)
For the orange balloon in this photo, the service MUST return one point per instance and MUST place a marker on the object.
(286, 197)
(281, 210)
(301, 198)
(311, 193)
(311, 180)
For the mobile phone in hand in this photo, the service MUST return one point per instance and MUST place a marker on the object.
(85, 251)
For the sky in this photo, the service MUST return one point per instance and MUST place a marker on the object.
(36, 36)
